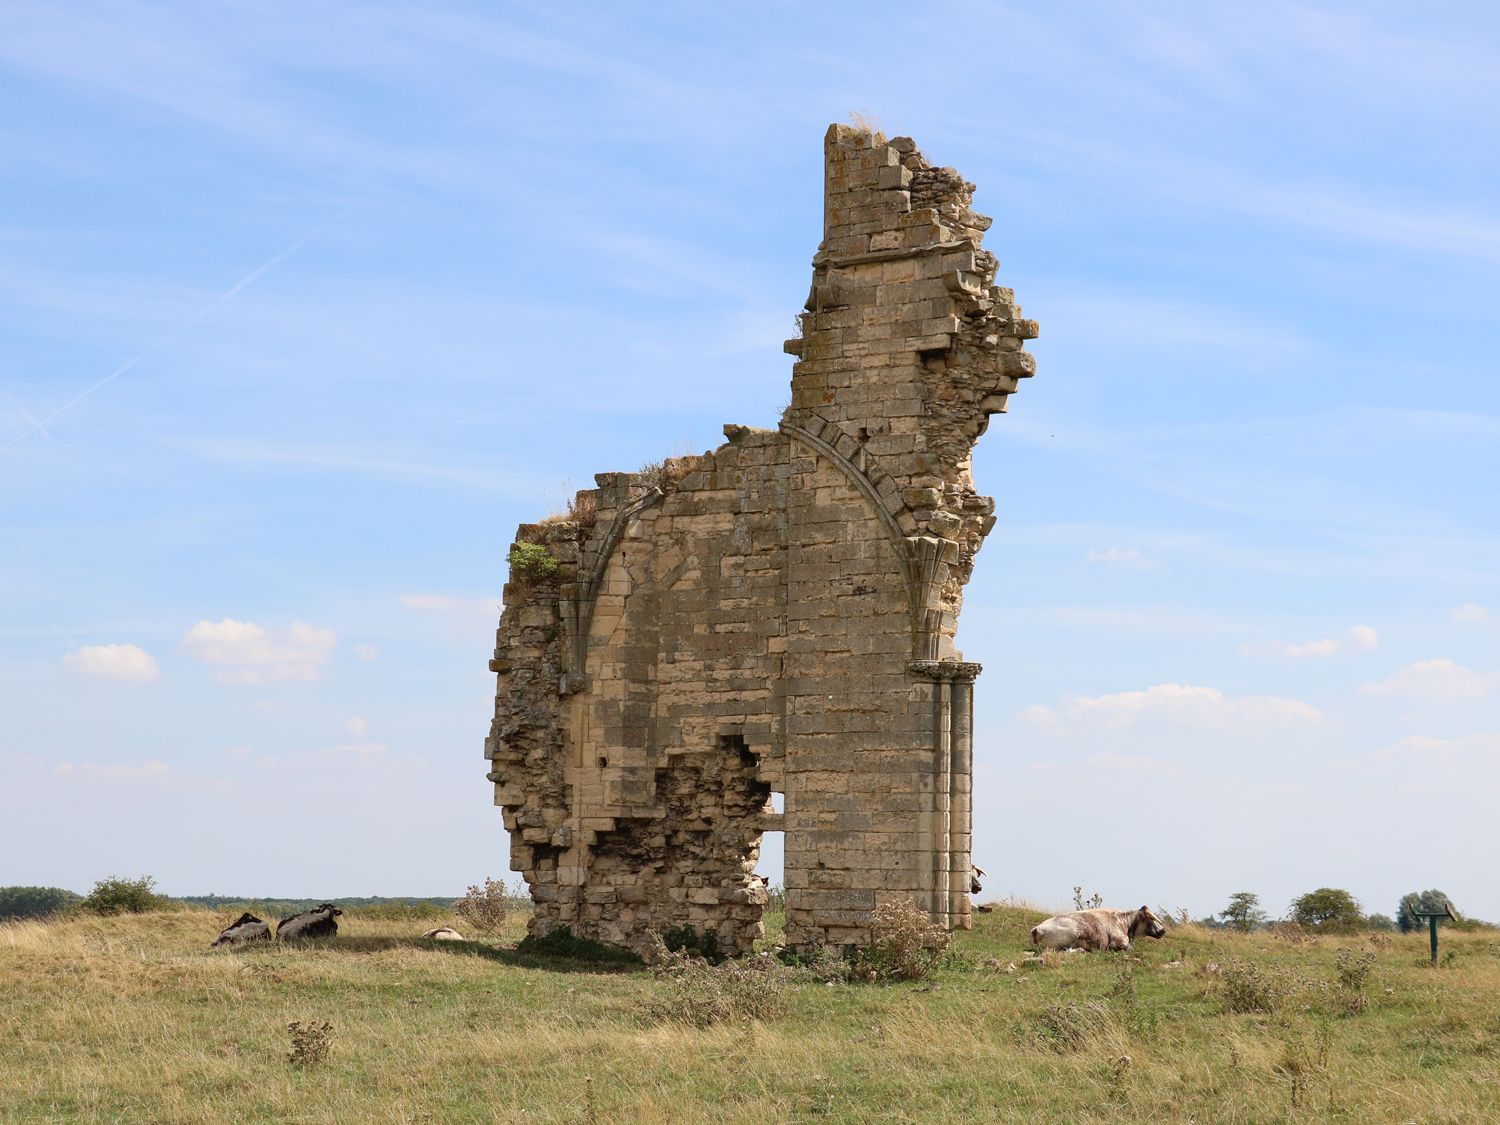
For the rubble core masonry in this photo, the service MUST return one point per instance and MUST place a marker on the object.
(777, 615)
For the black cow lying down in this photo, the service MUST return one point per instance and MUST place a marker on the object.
(315, 923)
(247, 928)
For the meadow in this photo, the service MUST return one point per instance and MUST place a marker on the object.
(133, 1018)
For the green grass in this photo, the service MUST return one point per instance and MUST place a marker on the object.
(134, 1018)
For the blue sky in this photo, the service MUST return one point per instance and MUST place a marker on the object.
(304, 307)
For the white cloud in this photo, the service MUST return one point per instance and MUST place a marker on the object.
(443, 603)
(154, 773)
(367, 652)
(1122, 558)
(127, 663)
(1360, 638)
(19, 760)
(1183, 705)
(361, 749)
(1470, 613)
(1441, 680)
(249, 654)
(356, 726)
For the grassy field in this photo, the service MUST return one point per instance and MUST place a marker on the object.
(135, 1019)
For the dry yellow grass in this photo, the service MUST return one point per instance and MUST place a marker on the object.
(136, 1019)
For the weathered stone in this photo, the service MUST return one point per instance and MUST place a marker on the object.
(776, 615)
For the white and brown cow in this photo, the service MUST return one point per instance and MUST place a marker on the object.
(246, 928)
(1096, 929)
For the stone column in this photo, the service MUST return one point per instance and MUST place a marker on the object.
(961, 800)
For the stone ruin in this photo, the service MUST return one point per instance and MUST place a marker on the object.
(777, 615)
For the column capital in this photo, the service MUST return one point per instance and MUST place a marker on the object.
(962, 671)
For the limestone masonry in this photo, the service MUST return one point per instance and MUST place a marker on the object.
(776, 616)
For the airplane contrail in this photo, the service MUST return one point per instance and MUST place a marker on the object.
(163, 341)
(28, 415)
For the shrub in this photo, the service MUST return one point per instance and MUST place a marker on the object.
(823, 964)
(117, 895)
(484, 908)
(904, 944)
(311, 1042)
(34, 902)
(531, 563)
(583, 509)
(1093, 902)
(699, 994)
(1068, 1027)
(1353, 969)
(1246, 987)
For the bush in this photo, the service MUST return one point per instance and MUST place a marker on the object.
(1246, 987)
(1068, 1027)
(1353, 969)
(904, 944)
(34, 902)
(484, 908)
(311, 1042)
(700, 995)
(117, 895)
(823, 964)
(531, 562)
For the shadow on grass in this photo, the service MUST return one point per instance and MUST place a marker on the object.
(557, 955)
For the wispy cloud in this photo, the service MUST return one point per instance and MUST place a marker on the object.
(1181, 705)
(1122, 558)
(246, 653)
(1470, 613)
(126, 663)
(154, 773)
(162, 341)
(1360, 638)
(1441, 680)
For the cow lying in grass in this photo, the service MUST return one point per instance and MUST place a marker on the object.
(315, 923)
(444, 933)
(247, 928)
(1096, 929)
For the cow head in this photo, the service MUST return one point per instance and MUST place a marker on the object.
(1146, 923)
(329, 908)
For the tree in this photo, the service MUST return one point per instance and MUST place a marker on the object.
(34, 902)
(117, 895)
(1433, 901)
(1243, 912)
(1329, 909)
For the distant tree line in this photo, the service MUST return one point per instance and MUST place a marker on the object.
(1334, 910)
(34, 902)
(120, 895)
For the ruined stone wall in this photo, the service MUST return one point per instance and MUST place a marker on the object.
(777, 615)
